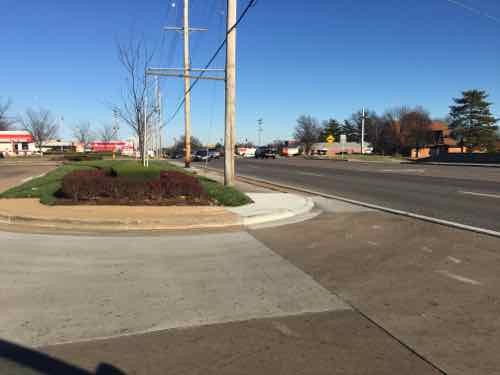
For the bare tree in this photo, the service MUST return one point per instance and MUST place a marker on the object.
(416, 131)
(307, 131)
(6, 122)
(397, 113)
(83, 133)
(135, 58)
(107, 133)
(41, 125)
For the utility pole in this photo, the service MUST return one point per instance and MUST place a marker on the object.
(363, 132)
(158, 119)
(230, 80)
(187, 87)
(230, 115)
(259, 129)
(160, 127)
(145, 133)
(186, 30)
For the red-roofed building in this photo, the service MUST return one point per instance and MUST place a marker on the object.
(123, 147)
(16, 143)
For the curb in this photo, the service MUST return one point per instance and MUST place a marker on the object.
(430, 219)
(423, 163)
(108, 225)
(288, 214)
(117, 225)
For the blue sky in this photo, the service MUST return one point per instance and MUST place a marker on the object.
(327, 58)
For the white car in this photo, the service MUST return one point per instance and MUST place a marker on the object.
(250, 152)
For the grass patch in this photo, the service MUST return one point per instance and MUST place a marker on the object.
(225, 195)
(43, 187)
(46, 187)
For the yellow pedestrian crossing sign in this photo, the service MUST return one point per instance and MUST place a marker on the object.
(330, 139)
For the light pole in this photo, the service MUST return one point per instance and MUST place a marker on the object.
(259, 130)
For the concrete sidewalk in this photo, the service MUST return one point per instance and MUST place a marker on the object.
(206, 304)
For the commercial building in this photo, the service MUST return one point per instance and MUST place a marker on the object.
(332, 149)
(16, 143)
(122, 147)
(442, 143)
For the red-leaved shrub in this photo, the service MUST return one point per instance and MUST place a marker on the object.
(98, 185)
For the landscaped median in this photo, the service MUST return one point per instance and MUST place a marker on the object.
(107, 182)
(112, 196)
(121, 195)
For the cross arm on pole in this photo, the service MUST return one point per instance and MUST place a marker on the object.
(190, 69)
(176, 28)
(152, 72)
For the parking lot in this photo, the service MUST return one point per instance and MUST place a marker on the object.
(16, 171)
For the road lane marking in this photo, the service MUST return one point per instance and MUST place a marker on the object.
(403, 170)
(458, 277)
(310, 174)
(32, 178)
(454, 260)
(497, 196)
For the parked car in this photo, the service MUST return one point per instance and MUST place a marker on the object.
(249, 152)
(202, 155)
(265, 153)
(213, 153)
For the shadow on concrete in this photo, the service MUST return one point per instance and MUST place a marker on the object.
(19, 360)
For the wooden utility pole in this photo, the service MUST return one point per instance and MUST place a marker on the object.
(187, 87)
(230, 117)
(363, 132)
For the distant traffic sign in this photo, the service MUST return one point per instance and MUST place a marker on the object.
(330, 139)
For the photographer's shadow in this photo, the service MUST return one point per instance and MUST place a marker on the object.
(19, 360)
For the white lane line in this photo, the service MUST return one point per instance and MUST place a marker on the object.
(32, 178)
(497, 196)
(430, 219)
(454, 260)
(310, 174)
(403, 170)
(458, 277)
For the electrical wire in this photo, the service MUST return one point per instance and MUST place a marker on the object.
(474, 10)
(250, 4)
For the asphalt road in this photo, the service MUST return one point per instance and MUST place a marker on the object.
(467, 195)
(12, 174)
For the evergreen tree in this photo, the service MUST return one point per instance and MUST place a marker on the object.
(352, 127)
(331, 127)
(472, 123)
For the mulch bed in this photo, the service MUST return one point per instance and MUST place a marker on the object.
(126, 202)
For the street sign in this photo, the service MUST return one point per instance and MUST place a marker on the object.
(330, 139)
(343, 139)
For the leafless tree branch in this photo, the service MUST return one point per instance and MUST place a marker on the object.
(6, 122)
(41, 125)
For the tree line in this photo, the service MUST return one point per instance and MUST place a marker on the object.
(401, 129)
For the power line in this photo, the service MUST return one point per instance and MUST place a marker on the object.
(474, 10)
(221, 46)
